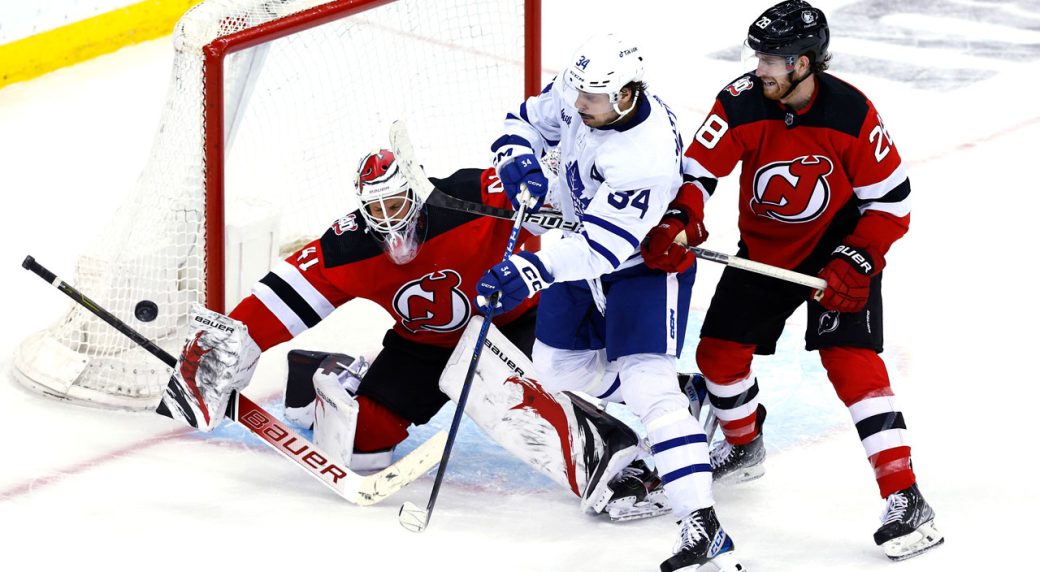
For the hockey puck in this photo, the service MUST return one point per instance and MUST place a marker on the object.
(146, 310)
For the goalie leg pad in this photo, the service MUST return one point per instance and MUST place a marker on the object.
(335, 419)
(305, 368)
(569, 440)
(219, 357)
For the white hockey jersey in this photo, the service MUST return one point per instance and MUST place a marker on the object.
(616, 180)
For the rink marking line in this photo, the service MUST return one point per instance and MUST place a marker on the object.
(60, 474)
(967, 146)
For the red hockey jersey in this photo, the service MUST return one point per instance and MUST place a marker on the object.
(431, 297)
(808, 178)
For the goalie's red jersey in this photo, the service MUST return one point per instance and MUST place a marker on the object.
(431, 297)
(808, 178)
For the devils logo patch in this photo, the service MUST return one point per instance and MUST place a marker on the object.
(792, 191)
(433, 303)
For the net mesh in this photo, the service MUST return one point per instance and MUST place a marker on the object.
(299, 112)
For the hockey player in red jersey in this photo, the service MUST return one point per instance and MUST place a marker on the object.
(822, 191)
(421, 264)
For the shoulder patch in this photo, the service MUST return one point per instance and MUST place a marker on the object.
(739, 86)
(346, 224)
(744, 102)
(342, 245)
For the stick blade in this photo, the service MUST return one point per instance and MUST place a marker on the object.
(401, 145)
(413, 517)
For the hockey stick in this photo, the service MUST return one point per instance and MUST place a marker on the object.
(551, 220)
(410, 168)
(360, 490)
(813, 282)
(696, 390)
(401, 143)
(411, 516)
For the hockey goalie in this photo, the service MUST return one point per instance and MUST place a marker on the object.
(421, 264)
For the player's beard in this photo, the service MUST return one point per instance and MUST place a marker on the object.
(774, 87)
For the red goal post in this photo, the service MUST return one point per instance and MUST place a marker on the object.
(270, 105)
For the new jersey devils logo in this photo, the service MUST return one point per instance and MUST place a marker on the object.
(345, 224)
(433, 303)
(792, 191)
(742, 84)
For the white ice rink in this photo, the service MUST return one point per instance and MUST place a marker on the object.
(957, 83)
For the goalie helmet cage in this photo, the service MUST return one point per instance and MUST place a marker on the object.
(270, 105)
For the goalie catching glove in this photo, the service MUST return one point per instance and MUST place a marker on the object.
(218, 358)
(686, 213)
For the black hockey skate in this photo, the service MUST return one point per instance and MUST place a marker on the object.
(739, 463)
(907, 525)
(637, 492)
(702, 541)
(620, 446)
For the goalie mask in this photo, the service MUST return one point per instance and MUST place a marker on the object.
(391, 209)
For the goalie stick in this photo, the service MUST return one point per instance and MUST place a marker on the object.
(411, 516)
(403, 151)
(358, 489)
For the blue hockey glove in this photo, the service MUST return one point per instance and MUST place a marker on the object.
(524, 169)
(517, 279)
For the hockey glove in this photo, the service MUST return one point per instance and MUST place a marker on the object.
(848, 275)
(686, 213)
(524, 169)
(218, 358)
(517, 279)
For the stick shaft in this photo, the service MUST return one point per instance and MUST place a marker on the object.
(474, 360)
(271, 430)
(30, 264)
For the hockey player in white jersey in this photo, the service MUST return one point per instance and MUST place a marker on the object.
(607, 325)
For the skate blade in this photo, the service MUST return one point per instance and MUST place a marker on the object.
(725, 562)
(924, 538)
(742, 475)
(625, 509)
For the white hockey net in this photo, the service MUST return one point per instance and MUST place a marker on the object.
(295, 112)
